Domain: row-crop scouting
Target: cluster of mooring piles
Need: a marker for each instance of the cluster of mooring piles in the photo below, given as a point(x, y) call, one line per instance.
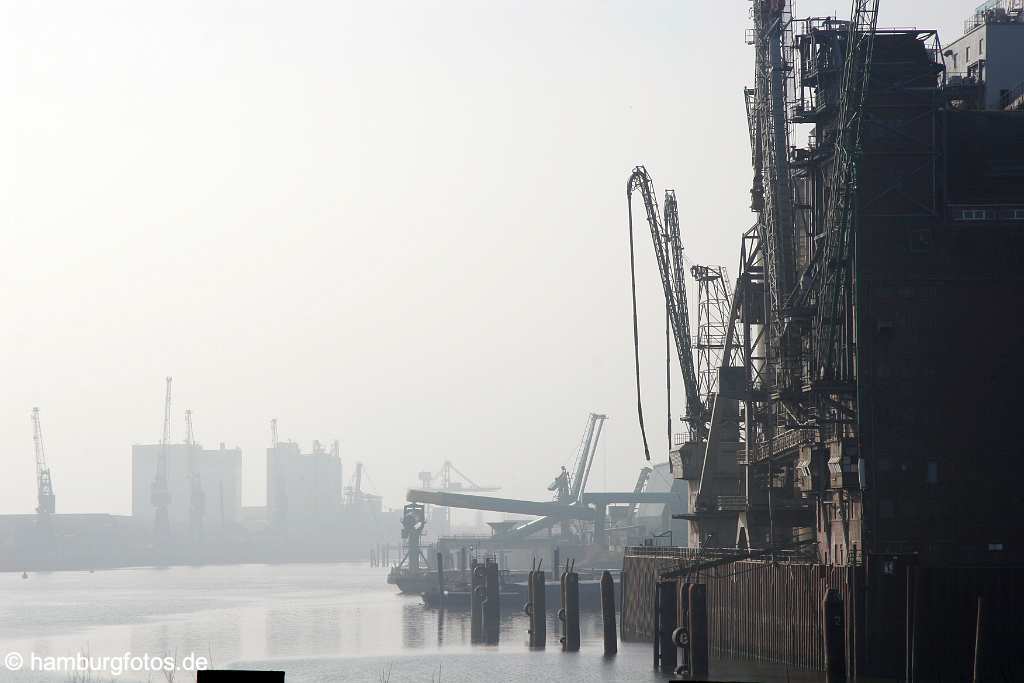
point(485, 606)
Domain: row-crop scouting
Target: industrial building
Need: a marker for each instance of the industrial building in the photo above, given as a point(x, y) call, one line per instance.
point(303, 489)
point(654, 519)
point(205, 486)
point(860, 443)
point(990, 54)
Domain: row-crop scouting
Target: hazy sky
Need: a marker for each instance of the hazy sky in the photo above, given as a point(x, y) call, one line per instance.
point(401, 225)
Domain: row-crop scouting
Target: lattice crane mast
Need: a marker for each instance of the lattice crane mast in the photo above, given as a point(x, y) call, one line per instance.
point(46, 500)
point(772, 193)
point(160, 494)
point(833, 265)
point(668, 250)
point(449, 483)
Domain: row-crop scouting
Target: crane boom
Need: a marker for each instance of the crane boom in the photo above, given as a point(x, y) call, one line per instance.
point(47, 501)
point(585, 459)
point(695, 409)
point(668, 251)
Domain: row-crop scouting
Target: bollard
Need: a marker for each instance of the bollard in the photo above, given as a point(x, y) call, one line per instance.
point(440, 580)
point(665, 626)
point(697, 630)
point(833, 633)
point(491, 606)
point(571, 613)
point(476, 601)
point(611, 644)
point(557, 560)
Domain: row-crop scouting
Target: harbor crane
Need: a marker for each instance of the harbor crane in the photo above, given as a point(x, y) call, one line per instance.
point(571, 503)
point(197, 497)
point(46, 500)
point(568, 487)
point(160, 494)
point(355, 496)
point(700, 376)
point(668, 250)
point(448, 482)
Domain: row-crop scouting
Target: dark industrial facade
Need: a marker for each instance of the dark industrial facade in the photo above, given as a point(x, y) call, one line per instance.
point(872, 369)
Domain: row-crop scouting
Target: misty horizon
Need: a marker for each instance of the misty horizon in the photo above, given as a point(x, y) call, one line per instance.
point(398, 225)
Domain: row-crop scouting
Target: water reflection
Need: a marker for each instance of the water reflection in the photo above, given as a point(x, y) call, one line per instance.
point(320, 622)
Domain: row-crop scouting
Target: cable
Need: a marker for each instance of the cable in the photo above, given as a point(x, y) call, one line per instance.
point(636, 326)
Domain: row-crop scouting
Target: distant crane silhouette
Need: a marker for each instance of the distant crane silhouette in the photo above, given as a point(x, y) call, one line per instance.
point(160, 494)
point(449, 484)
point(47, 501)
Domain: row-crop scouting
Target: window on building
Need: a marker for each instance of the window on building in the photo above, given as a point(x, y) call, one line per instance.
point(981, 47)
point(968, 55)
point(955, 60)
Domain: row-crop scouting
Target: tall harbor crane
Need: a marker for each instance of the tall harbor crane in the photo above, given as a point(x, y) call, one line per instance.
point(160, 494)
point(355, 496)
point(197, 497)
point(46, 500)
point(794, 296)
point(833, 342)
point(668, 251)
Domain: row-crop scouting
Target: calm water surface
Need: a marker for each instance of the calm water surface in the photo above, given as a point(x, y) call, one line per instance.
point(319, 623)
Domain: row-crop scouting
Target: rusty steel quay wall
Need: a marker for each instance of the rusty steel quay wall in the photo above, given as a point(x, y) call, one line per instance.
point(757, 609)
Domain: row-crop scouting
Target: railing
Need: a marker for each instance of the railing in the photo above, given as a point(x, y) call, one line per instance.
point(783, 442)
point(995, 11)
point(1013, 99)
point(732, 503)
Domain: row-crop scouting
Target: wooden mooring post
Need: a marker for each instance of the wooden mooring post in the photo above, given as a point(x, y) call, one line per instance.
point(476, 603)
point(665, 606)
point(834, 634)
point(440, 580)
point(569, 614)
point(697, 629)
point(492, 603)
point(611, 639)
point(536, 608)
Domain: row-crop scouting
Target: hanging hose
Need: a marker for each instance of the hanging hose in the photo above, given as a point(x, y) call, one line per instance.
point(636, 326)
point(668, 379)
